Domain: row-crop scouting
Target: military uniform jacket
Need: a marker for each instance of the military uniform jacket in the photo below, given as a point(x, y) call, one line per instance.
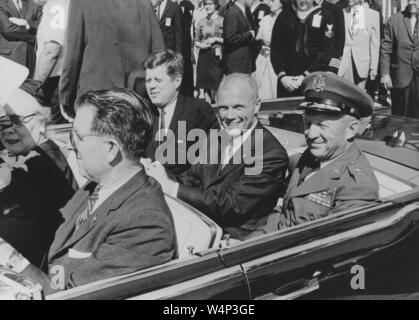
point(345, 183)
point(300, 47)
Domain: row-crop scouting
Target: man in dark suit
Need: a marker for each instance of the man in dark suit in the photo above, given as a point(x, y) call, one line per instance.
point(399, 61)
point(169, 15)
point(19, 20)
point(106, 40)
point(187, 86)
point(175, 115)
point(118, 222)
point(241, 180)
point(239, 38)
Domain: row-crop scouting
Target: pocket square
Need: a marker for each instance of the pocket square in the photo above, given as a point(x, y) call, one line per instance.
point(74, 254)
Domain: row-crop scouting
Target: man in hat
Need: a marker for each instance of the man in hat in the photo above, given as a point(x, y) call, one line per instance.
point(332, 174)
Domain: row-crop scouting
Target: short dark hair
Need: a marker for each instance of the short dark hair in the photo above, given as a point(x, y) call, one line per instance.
point(216, 3)
point(173, 61)
point(123, 115)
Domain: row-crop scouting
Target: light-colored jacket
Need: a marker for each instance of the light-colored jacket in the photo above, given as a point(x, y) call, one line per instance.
point(364, 45)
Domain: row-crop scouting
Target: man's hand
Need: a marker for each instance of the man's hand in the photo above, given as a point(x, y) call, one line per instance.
point(299, 81)
point(20, 22)
point(210, 41)
point(253, 33)
point(158, 172)
point(373, 75)
point(10, 258)
point(290, 83)
point(386, 81)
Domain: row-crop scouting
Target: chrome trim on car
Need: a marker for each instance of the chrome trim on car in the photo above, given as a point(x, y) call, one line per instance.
point(334, 239)
point(191, 285)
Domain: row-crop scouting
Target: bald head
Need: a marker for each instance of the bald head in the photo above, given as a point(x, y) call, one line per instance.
point(239, 84)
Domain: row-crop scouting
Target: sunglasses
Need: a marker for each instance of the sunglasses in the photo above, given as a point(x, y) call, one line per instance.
point(14, 120)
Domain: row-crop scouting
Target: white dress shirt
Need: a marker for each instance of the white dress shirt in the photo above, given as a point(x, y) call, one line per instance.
point(18, 5)
point(360, 15)
point(242, 8)
point(162, 7)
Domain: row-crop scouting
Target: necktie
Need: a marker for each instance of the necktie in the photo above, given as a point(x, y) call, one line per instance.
point(354, 21)
point(162, 125)
point(91, 201)
point(19, 5)
point(158, 11)
point(249, 17)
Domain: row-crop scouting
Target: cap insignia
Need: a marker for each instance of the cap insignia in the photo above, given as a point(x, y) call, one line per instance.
point(319, 83)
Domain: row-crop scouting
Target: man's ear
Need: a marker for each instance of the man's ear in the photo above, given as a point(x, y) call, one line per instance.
point(257, 106)
point(113, 152)
point(178, 80)
point(352, 129)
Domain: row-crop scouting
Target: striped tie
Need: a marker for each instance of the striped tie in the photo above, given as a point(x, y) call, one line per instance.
point(91, 201)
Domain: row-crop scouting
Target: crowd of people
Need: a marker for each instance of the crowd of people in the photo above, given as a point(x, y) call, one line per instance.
point(144, 83)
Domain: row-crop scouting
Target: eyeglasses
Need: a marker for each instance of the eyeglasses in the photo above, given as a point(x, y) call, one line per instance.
point(79, 137)
point(14, 120)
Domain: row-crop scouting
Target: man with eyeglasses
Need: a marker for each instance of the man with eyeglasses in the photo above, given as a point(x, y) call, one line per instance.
point(117, 223)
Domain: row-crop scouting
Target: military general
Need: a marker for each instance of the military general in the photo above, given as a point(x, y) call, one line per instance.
point(332, 174)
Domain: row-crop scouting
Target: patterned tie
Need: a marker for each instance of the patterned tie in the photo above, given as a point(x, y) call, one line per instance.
point(162, 125)
point(91, 201)
point(354, 20)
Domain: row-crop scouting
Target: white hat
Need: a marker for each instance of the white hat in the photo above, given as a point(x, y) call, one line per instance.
point(12, 75)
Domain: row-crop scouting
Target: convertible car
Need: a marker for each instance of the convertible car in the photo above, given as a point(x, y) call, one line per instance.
point(314, 260)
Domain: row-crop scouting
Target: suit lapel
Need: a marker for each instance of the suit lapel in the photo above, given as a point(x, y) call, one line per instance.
point(71, 213)
point(406, 21)
point(25, 6)
point(249, 27)
point(177, 114)
point(13, 8)
point(166, 8)
point(101, 213)
point(348, 21)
